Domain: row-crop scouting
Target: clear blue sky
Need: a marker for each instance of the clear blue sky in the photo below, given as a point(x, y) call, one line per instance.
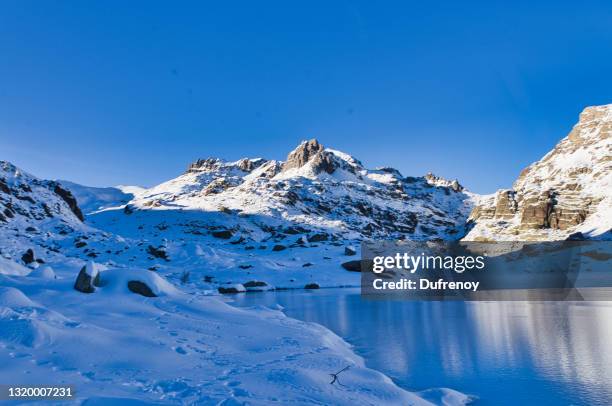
point(103, 93)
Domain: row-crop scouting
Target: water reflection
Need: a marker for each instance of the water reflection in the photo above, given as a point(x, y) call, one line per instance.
point(503, 352)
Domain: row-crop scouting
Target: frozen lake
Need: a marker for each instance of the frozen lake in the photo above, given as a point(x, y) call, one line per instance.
point(506, 353)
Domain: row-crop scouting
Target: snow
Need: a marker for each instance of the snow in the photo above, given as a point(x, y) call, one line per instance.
point(118, 347)
point(187, 344)
point(8, 267)
point(577, 172)
point(93, 199)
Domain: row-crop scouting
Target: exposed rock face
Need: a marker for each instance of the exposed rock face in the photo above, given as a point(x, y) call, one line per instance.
point(567, 191)
point(438, 181)
point(70, 200)
point(302, 154)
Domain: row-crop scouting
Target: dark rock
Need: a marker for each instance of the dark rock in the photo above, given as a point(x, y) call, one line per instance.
point(312, 286)
point(28, 257)
point(307, 264)
point(245, 267)
point(80, 244)
point(255, 284)
point(140, 288)
point(30, 229)
point(231, 289)
point(223, 234)
point(350, 251)
point(40, 260)
point(352, 266)
point(70, 200)
point(85, 282)
point(278, 247)
point(157, 252)
point(318, 237)
point(4, 187)
point(128, 209)
point(295, 230)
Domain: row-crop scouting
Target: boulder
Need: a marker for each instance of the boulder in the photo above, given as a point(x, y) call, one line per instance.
point(257, 286)
point(140, 288)
point(318, 237)
point(352, 266)
point(223, 234)
point(278, 247)
point(158, 252)
point(312, 286)
point(28, 257)
point(229, 289)
point(88, 278)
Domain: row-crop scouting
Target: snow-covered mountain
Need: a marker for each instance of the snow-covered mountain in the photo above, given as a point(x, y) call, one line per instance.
point(568, 191)
point(320, 189)
point(234, 219)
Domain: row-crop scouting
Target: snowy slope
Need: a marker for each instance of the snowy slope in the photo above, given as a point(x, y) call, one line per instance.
point(92, 199)
point(178, 348)
point(568, 191)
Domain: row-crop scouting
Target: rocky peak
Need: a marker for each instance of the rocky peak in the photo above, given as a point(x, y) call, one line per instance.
point(207, 164)
point(300, 156)
point(566, 191)
point(216, 164)
point(440, 181)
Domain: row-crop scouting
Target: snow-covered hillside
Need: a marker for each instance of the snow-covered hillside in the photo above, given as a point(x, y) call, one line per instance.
point(92, 199)
point(568, 191)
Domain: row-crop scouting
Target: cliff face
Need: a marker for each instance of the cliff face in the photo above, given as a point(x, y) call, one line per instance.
point(566, 192)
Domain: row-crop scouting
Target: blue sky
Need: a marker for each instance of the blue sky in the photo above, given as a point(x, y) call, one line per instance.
point(104, 93)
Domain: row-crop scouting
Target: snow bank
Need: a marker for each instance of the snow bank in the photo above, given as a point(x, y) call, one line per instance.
point(116, 280)
point(175, 349)
point(8, 267)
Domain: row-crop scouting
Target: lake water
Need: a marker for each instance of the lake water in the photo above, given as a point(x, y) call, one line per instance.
point(506, 353)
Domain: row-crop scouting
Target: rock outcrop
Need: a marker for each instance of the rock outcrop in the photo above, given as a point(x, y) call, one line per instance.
point(567, 191)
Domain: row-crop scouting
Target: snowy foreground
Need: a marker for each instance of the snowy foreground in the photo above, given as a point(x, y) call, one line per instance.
point(118, 347)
